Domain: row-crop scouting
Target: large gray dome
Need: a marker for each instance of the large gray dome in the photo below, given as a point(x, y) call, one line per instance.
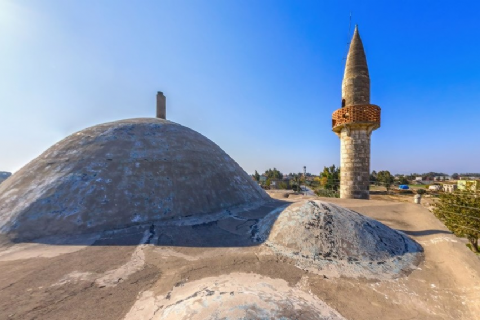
point(119, 174)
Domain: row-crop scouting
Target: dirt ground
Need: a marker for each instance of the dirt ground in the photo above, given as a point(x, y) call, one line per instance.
point(93, 279)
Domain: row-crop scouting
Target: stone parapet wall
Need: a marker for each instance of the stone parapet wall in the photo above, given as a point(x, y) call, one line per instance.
point(368, 113)
point(354, 163)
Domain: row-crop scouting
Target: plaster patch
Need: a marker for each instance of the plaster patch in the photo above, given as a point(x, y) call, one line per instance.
point(115, 276)
point(233, 296)
point(437, 240)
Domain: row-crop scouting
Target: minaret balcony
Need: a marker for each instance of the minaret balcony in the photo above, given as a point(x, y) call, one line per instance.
point(362, 115)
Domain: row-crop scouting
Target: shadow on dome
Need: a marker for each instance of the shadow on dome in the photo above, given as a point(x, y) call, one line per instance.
point(311, 234)
point(238, 227)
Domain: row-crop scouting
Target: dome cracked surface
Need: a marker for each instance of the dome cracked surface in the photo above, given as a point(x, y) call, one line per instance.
point(119, 174)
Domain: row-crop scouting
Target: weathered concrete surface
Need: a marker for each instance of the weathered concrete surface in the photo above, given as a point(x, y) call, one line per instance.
point(334, 241)
point(107, 281)
point(120, 174)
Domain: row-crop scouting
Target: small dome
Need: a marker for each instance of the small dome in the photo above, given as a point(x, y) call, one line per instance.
point(336, 241)
point(119, 174)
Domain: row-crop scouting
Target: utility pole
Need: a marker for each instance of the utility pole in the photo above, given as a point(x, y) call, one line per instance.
point(305, 178)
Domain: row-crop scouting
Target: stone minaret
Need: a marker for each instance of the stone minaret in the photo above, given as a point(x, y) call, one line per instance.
point(161, 106)
point(354, 123)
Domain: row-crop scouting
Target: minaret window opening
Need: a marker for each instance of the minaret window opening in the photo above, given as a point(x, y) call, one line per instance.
point(343, 103)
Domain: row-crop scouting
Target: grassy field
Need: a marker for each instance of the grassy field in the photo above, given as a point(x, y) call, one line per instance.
point(411, 186)
point(417, 186)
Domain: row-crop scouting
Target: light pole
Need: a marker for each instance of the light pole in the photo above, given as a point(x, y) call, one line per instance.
point(305, 178)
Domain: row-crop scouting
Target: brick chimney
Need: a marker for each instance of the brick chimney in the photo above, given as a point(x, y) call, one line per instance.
point(161, 106)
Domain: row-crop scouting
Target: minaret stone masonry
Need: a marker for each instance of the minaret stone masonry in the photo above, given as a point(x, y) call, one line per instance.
point(354, 123)
point(354, 163)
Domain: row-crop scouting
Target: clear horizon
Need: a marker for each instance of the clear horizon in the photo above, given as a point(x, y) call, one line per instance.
point(260, 79)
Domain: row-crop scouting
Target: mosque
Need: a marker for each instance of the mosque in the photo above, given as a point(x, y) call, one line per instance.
point(137, 171)
point(183, 205)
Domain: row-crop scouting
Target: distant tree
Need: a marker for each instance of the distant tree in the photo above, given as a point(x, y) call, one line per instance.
point(316, 182)
point(330, 178)
point(429, 176)
point(268, 182)
point(256, 176)
point(460, 212)
point(282, 185)
point(455, 176)
point(373, 176)
point(273, 174)
point(411, 177)
point(421, 191)
point(296, 181)
point(470, 174)
point(403, 180)
point(386, 179)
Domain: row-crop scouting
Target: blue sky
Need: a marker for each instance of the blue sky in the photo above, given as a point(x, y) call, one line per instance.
point(260, 78)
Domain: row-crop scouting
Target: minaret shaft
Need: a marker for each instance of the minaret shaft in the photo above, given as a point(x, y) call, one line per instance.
point(354, 163)
point(354, 123)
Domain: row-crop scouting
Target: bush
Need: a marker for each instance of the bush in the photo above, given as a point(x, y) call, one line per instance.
point(460, 212)
point(402, 191)
point(421, 191)
point(268, 182)
point(327, 193)
point(282, 185)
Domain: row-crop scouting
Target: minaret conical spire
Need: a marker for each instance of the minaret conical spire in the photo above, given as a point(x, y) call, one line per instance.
point(356, 81)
